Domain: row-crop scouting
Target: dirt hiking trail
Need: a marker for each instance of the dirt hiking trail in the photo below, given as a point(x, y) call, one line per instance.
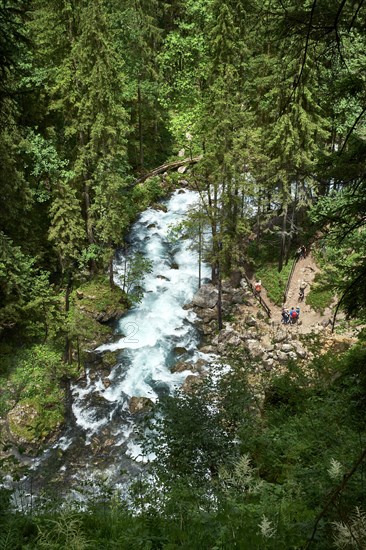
point(305, 270)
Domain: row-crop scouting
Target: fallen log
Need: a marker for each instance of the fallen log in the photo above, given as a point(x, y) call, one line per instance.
point(165, 167)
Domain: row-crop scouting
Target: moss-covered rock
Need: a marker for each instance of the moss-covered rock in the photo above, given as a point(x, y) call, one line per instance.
point(93, 307)
point(32, 396)
point(110, 359)
point(98, 300)
point(32, 422)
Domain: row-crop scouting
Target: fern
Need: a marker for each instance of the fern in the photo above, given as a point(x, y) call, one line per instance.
point(352, 534)
point(8, 538)
point(65, 532)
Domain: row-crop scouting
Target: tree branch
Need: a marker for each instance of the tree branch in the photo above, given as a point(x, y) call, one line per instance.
point(334, 494)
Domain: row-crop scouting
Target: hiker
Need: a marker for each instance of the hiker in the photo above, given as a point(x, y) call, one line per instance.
point(258, 287)
point(297, 309)
point(301, 252)
point(303, 285)
point(285, 316)
point(293, 316)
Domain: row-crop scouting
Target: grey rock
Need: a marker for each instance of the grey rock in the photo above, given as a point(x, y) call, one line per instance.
point(206, 296)
point(286, 348)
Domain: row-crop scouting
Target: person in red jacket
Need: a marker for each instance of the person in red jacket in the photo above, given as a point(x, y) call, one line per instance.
point(258, 287)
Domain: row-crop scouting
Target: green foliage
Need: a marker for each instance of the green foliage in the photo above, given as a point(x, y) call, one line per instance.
point(136, 266)
point(63, 532)
point(274, 281)
point(31, 380)
point(273, 95)
point(27, 301)
point(320, 296)
point(344, 246)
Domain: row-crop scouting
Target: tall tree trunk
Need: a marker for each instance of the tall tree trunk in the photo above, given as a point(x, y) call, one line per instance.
point(283, 240)
point(219, 286)
point(139, 111)
point(292, 226)
point(87, 203)
point(68, 343)
point(110, 269)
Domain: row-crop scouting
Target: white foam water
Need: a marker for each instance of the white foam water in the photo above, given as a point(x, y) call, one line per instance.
point(151, 330)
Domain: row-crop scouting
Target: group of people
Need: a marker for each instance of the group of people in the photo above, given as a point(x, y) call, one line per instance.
point(290, 316)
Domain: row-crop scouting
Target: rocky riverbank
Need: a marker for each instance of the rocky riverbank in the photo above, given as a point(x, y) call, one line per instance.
point(248, 333)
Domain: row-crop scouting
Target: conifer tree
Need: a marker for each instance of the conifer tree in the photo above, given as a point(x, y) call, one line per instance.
point(86, 88)
point(139, 39)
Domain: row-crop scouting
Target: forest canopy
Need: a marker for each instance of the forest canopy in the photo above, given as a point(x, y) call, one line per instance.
point(266, 103)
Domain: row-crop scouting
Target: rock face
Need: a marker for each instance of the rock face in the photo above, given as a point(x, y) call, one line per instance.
point(206, 297)
point(109, 316)
point(24, 426)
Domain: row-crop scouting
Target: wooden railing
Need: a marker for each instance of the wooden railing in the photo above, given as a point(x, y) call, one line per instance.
point(296, 259)
point(257, 295)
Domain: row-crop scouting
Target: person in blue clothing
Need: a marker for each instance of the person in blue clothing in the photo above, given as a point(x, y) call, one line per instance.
point(293, 315)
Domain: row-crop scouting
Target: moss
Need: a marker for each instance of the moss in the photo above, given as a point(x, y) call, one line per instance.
point(110, 359)
point(31, 389)
point(32, 420)
point(92, 306)
point(97, 296)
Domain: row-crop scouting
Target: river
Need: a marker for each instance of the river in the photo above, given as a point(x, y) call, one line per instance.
point(99, 442)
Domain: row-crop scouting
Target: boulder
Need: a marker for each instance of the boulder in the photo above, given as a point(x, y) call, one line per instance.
point(159, 206)
point(207, 315)
point(282, 357)
point(206, 296)
point(243, 284)
point(226, 287)
point(179, 350)
point(191, 383)
point(208, 349)
point(106, 382)
point(20, 418)
point(238, 296)
point(254, 349)
point(229, 337)
point(140, 404)
point(250, 321)
point(181, 366)
point(280, 336)
point(286, 348)
point(268, 364)
point(108, 316)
